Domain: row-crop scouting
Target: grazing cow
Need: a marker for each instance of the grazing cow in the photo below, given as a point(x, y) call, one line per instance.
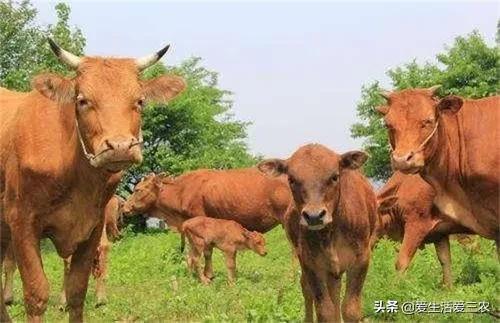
point(332, 226)
point(408, 214)
point(454, 144)
point(62, 149)
point(243, 195)
point(204, 233)
point(99, 268)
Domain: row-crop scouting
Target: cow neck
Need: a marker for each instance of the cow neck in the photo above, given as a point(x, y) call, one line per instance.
point(442, 165)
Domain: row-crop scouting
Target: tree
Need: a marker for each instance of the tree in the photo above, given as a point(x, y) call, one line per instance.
point(24, 51)
point(196, 130)
point(469, 68)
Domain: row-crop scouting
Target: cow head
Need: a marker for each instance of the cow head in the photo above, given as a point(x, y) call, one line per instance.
point(255, 241)
point(412, 118)
point(145, 194)
point(108, 98)
point(314, 173)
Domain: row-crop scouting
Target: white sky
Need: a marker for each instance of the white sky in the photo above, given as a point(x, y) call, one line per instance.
point(296, 68)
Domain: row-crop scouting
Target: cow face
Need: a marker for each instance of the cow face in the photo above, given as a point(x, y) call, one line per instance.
point(108, 98)
point(144, 196)
point(256, 242)
point(411, 118)
point(314, 173)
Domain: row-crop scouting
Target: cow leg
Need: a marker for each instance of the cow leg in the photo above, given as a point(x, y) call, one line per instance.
point(4, 245)
point(414, 236)
point(197, 246)
point(209, 271)
point(321, 299)
point(231, 266)
point(79, 272)
point(443, 253)
point(100, 270)
point(334, 285)
point(9, 268)
point(351, 307)
point(308, 299)
point(62, 298)
point(35, 284)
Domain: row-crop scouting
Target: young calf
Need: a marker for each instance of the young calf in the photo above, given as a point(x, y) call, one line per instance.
point(331, 227)
point(204, 233)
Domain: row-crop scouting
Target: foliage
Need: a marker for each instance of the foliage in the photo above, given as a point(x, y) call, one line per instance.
point(148, 281)
point(196, 130)
point(469, 68)
point(24, 50)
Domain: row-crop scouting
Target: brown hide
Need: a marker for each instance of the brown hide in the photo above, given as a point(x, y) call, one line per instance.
point(204, 234)
point(332, 227)
point(244, 195)
point(411, 218)
point(454, 144)
point(51, 187)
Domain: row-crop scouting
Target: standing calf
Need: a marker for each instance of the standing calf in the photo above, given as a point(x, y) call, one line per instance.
point(204, 233)
point(332, 227)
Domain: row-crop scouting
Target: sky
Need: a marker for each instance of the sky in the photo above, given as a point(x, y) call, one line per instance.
point(295, 68)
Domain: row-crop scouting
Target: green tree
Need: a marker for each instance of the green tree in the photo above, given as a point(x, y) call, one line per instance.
point(469, 68)
point(196, 130)
point(24, 51)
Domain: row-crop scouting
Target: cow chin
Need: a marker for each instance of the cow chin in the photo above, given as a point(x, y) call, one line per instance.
point(115, 161)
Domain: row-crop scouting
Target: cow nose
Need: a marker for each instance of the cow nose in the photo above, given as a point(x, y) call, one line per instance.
point(120, 144)
point(402, 161)
point(314, 217)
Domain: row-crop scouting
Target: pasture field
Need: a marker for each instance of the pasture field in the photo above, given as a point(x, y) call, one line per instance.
point(149, 281)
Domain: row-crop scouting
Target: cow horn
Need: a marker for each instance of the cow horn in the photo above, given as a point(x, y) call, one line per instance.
point(66, 57)
point(385, 94)
point(432, 90)
point(146, 61)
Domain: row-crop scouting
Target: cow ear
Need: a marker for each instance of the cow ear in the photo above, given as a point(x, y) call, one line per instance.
point(383, 109)
point(273, 167)
point(387, 204)
point(353, 159)
point(163, 88)
point(451, 103)
point(54, 87)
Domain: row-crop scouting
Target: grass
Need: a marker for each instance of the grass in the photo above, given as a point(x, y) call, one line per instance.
point(148, 281)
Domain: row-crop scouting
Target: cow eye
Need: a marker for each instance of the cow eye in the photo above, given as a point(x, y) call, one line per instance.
point(140, 104)
point(82, 102)
point(334, 178)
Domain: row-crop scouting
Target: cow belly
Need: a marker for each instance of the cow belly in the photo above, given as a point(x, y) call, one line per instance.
point(467, 216)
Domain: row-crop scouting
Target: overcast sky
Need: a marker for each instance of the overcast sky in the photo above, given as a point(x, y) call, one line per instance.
point(295, 68)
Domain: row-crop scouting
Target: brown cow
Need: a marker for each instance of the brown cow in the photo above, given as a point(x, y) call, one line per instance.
point(99, 268)
point(408, 214)
point(204, 233)
point(332, 226)
point(243, 195)
point(62, 148)
point(454, 144)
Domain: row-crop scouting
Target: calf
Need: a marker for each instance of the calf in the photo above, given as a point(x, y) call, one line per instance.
point(332, 226)
point(246, 196)
point(205, 233)
point(112, 215)
point(408, 214)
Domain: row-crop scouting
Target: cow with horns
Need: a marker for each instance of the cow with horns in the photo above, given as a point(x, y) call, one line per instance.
point(62, 149)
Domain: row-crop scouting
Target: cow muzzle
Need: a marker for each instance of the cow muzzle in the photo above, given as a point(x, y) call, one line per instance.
point(117, 153)
point(409, 163)
point(315, 219)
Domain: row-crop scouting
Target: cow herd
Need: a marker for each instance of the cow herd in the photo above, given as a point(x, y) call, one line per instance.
point(65, 145)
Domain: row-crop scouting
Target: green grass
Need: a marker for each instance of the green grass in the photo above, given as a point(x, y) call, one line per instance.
point(148, 281)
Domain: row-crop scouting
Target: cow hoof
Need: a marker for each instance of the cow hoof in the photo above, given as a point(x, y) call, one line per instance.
point(101, 303)
point(63, 307)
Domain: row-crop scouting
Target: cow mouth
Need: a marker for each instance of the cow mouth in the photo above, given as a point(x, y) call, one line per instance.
point(411, 170)
point(117, 166)
point(316, 227)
